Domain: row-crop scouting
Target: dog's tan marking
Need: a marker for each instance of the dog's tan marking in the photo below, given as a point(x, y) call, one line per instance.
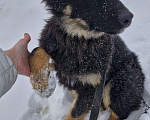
point(77, 26)
point(68, 10)
point(39, 68)
point(113, 116)
point(69, 116)
point(106, 96)
point(74, 94)
point(92, 79)
point(106, 101)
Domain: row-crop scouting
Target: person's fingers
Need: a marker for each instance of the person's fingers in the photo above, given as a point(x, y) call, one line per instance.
point(29, 53)
point(26, 35)
point(28, 74)
point(27, 38)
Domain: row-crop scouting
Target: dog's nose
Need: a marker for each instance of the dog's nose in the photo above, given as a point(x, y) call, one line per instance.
point(125, 19)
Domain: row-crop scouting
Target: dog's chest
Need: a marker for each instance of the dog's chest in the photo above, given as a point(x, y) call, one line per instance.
point(80, 56)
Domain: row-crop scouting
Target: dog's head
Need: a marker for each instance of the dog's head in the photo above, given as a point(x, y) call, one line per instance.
point(108, 16)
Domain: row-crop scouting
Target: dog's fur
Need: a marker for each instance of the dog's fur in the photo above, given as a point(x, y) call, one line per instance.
point(81, 37)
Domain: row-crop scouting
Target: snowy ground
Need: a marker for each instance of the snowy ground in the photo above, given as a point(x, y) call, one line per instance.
point(20, 16)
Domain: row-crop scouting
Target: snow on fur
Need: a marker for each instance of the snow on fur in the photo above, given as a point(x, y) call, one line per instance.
point(51, 82)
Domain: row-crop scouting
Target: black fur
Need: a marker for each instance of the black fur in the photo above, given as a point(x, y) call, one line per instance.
point(101, 15)
point(75, 56)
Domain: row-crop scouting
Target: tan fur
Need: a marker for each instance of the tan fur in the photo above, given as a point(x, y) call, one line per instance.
point(106, 96)
point(92, 79)
point(39, 67)
point(113, 116)
point(74, 94)
point(77, 26)
point(69, 116)
point(106, 101)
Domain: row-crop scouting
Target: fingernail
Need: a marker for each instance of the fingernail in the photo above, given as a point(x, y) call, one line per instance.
point(25, 34)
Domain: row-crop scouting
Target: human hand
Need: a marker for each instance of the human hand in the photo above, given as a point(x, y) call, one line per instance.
point(19, 55)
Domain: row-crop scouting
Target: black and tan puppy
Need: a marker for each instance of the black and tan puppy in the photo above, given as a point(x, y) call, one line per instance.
point(82, 39)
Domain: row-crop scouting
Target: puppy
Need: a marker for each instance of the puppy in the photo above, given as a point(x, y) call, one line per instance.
point(82, 39)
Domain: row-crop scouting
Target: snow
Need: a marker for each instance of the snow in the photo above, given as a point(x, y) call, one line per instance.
point(21, 102)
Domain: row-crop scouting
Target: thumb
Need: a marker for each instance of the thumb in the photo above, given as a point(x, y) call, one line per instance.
point(27, 38)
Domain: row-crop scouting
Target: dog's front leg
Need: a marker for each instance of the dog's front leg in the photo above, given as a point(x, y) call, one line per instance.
point(82, 104)
point(39, 67)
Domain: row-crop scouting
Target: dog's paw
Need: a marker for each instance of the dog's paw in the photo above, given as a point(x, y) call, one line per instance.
point(42, 77)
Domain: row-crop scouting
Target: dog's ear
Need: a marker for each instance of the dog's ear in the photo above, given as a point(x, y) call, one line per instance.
point(56, 6)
